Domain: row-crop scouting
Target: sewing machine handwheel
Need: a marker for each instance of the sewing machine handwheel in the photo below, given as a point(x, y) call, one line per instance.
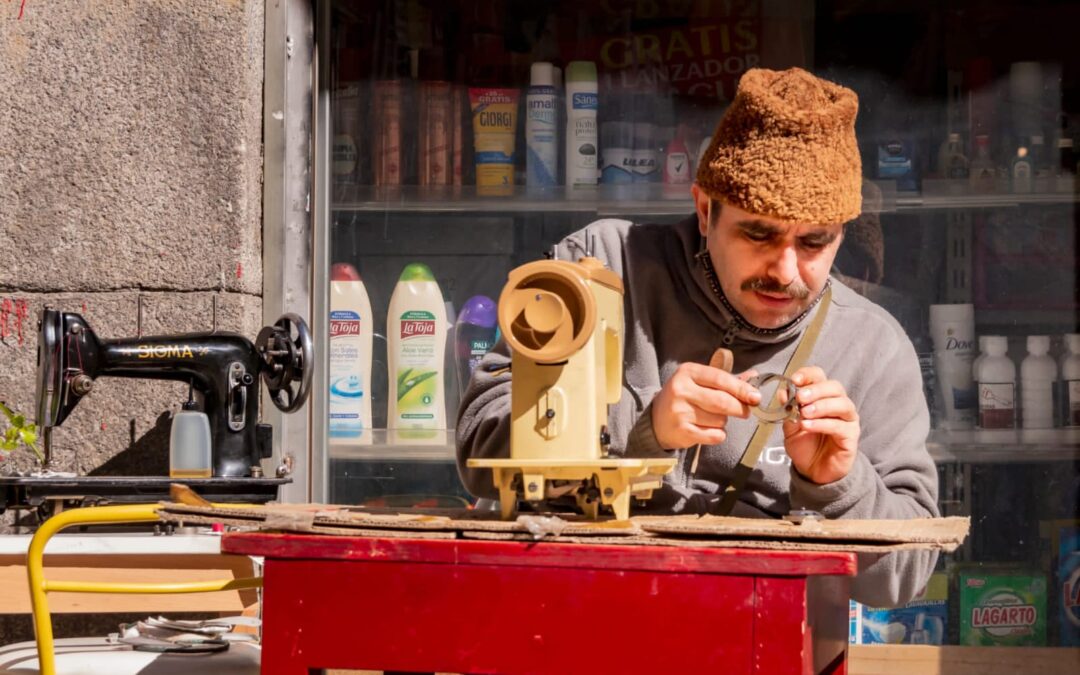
point(288, 359)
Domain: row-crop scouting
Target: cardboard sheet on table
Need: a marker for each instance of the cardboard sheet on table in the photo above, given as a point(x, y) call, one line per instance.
point(320, 517)
point(944, 533)
point(871, 536)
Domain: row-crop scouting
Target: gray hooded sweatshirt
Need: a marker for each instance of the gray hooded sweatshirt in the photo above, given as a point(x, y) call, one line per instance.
point(674, 314)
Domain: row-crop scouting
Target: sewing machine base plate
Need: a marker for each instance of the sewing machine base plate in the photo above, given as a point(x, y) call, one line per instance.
point(606, 482)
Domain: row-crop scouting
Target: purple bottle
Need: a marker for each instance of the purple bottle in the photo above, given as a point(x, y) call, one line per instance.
point(475, 334)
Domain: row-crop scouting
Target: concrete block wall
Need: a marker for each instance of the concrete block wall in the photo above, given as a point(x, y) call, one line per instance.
point(130, 165)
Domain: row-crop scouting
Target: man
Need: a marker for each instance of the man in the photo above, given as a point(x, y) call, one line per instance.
point(748, 272)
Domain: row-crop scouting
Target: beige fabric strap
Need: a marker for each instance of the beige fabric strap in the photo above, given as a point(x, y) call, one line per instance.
point(753, 450)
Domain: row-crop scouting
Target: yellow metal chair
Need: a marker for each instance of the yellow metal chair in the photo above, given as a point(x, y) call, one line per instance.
point(78, 652)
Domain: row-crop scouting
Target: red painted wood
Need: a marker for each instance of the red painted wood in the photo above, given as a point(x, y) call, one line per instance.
point(518, 607)
point(548, 554)
point(495, 619)
point(782, 643)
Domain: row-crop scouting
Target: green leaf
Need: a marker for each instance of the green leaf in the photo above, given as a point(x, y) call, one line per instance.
point(18, 421)
point(402, 376)
point(29, 436)
point(408, 385)
point(9, 445)
point(11, 435)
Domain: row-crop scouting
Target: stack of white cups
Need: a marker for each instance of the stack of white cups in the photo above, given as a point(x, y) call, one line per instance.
point(952, 328)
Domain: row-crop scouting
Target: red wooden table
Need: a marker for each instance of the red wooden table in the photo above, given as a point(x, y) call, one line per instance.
point(474, 606)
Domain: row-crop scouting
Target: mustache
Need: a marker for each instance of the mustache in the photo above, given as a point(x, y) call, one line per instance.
point(796, 289)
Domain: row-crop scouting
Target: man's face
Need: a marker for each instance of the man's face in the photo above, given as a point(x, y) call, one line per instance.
point(770, 270)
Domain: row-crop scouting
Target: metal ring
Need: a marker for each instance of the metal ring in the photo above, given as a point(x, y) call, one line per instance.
point(767, 413)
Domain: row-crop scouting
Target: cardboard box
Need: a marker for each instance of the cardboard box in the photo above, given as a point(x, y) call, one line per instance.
point(1002, 607)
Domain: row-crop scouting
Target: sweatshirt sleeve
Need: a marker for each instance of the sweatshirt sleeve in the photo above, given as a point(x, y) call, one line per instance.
point(893, 477)
point(483, 423)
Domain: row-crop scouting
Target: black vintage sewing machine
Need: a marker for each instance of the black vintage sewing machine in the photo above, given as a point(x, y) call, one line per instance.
point(224, 370)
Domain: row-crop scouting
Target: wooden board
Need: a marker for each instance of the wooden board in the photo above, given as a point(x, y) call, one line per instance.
point(159, 568)
point(926, 660)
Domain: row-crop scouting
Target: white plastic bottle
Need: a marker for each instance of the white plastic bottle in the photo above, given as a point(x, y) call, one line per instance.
point(582, 142)
point(995, 377)
point(980, 357)
point(1070, 381)
point(1037, 375)
point(416, 330)
point(541, 130)
point(952, 328)
point(190, 442)
point(351, 336)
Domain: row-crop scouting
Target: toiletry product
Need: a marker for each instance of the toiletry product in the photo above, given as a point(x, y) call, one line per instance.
point(980, 357)
point(1021, 171)
point(617, 141)
point(952, 329)
point(351, 338)
point(474, 336)
point(459, 106)
point(541, 132)
point(345, 165)
point(1038, 372)
point(677, 160)
point(952, 163)
point(982, 172)
point(895, 161)
point(646, 164)
point(386, 156)
point(189, 442)
point(560, 123)
point(1070, 381)
point(416, 340)
point(494, 114)
point(582, 141)
point(995, 377)
point(435, 135)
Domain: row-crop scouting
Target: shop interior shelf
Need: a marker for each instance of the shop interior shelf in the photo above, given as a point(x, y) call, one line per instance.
point(651, 199)
point(986, 446)
point(976, 446)
point(385, 444)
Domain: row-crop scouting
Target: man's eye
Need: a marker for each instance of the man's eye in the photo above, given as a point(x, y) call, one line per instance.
point(758, 236)
point(814, 245)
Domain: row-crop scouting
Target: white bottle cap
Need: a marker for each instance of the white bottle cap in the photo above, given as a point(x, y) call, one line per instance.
point(995, 345)
point(982, 342)
point(1038, 344)
point(542, 74)
point(1072, 342)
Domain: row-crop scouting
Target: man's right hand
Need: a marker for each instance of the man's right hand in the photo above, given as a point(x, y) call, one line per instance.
point(694, 405)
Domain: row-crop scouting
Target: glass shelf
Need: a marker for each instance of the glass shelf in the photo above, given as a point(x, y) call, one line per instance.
point(988, 446)
point(652, 199)
point(975, 446)
point(389, 444)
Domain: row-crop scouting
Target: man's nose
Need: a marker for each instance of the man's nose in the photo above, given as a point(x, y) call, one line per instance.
point(785, 266)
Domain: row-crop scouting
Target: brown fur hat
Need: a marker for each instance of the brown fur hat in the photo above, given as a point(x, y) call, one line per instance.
point(786, 149)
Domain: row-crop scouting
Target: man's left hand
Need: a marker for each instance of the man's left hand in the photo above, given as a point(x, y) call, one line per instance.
point(823, 442)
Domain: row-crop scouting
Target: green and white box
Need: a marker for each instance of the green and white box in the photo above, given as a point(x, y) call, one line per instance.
point(1002, 608)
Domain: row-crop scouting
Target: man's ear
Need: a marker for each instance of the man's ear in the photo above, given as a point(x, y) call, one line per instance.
point(701, 205)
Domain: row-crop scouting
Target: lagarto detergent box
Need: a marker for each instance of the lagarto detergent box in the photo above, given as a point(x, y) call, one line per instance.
point(1000, 607)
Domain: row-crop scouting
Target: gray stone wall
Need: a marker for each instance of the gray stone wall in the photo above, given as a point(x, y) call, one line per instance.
point(130, 165)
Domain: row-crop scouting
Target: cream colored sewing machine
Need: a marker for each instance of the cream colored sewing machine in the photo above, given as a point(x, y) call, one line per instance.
point(563, 322)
